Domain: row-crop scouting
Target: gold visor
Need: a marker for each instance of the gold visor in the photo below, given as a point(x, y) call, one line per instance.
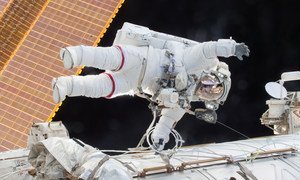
point(209, 88)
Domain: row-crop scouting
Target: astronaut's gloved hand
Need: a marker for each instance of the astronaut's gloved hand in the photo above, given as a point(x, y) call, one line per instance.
point(241, 49)
point(159, 146)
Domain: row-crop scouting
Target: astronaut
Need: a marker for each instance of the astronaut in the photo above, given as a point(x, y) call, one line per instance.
point(172, 76)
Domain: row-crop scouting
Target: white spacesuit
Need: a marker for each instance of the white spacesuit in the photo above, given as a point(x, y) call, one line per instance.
point(174, 76)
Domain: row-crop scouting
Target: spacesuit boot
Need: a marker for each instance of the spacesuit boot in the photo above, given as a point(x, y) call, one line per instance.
point(71, 56)
point(94, 86)
point(61, 87)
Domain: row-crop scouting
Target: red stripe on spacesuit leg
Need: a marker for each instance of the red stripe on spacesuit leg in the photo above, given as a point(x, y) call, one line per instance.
point(113, 85)
point(123, 58)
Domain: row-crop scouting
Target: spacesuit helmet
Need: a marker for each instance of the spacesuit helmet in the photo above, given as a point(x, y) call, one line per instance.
point(209, 87)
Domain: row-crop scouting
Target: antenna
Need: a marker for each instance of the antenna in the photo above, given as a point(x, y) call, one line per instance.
point(276, 90)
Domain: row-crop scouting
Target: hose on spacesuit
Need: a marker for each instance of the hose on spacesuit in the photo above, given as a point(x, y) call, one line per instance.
point(142, 140)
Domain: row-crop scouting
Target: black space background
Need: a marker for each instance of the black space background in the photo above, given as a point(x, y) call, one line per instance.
point(269, 28)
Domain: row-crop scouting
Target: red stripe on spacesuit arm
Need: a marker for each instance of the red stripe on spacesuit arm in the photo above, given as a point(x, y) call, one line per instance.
point(113, 85)
point(123, 58)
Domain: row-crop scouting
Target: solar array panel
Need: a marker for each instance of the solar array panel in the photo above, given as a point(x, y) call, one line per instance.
point(3, 4)
point(25, 83)
point(15, 23)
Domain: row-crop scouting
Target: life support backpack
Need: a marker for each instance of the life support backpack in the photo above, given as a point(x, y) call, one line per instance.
point(131, 34)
